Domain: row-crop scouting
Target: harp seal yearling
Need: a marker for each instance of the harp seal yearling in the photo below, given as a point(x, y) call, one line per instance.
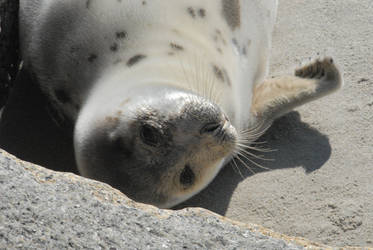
point(162, 93)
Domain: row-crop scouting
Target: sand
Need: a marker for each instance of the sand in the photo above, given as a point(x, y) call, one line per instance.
point(320, 184)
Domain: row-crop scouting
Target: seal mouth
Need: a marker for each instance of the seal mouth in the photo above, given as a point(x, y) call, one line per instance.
point(187, 176)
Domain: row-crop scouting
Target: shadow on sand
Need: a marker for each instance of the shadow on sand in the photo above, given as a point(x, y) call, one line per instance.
point(27, 131)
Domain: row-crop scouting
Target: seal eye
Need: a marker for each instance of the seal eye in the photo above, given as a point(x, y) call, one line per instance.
point(150, 135)
point(187, 176)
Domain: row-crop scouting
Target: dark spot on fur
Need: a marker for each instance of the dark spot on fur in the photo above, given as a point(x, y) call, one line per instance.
point(135, 59)
point(119, 1)
point(244, 51)
point(92, 58)
point(236, 44)
point(219, 50)
point(114, 47)
point(121, 34)
point(202, 13)
point(62, 96)
point(191, 12)
point(231, 13)
point(245, 48)
point(218, 73)
point(221, 74)
point(218, 37)
point(143, 2)
point(176, 46)
point(88, 4)
point(171, 53)
point(234, 41)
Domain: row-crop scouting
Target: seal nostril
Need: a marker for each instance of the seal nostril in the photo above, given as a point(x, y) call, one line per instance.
point(187, 176)
point(210, 128)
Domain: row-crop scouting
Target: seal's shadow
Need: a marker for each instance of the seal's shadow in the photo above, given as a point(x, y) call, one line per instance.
point(297, 145)
point(27, 131)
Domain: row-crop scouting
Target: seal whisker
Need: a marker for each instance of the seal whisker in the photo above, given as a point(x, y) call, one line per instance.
point(185, 75)
point(252, 161)
point(258, 129)
point(259, 142)
point(259, 149)
point(235, 167)
point(259, 157)
point(244, 164)
point(203, 81)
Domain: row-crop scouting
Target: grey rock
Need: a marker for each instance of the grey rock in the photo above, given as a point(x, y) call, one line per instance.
point(40, 208)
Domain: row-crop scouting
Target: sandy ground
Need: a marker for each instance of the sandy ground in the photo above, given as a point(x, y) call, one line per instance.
point(321, 183)
point(319, 186)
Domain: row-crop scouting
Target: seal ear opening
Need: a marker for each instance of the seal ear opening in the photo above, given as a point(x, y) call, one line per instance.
point(121, 146)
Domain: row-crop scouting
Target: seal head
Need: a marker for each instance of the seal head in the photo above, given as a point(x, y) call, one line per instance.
point(162, 146)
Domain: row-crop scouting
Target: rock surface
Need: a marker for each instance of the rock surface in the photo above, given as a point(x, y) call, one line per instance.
point(43, 209)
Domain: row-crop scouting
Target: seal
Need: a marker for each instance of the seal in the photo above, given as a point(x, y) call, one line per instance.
point(162, 93)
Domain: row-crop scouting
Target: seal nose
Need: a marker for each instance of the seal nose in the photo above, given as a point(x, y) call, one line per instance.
point(211, 128)
point(218, 130)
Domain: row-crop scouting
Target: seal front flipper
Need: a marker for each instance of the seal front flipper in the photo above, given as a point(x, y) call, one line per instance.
point(277, 96)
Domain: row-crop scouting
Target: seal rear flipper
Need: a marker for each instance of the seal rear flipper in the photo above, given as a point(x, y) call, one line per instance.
point(277, 96)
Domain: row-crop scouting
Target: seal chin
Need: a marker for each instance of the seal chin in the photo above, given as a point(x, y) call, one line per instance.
point(184, 195)
point(162, 147)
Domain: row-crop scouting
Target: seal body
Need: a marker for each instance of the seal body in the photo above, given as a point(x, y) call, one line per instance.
point(160, 91)
point(157, 89)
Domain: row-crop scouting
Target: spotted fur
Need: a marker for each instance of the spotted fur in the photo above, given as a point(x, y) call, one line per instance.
point(160, 92)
